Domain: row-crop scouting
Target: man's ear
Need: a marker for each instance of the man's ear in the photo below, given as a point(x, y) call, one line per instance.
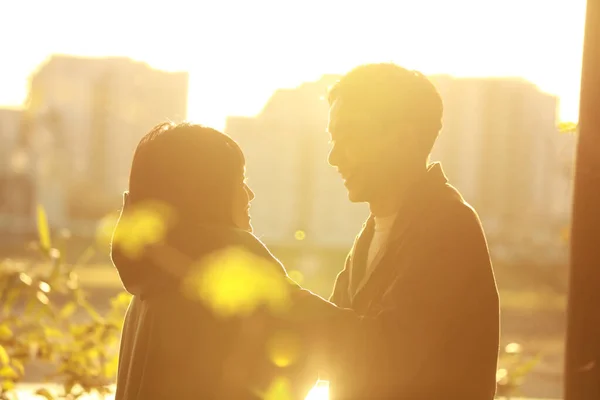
point(409, 139)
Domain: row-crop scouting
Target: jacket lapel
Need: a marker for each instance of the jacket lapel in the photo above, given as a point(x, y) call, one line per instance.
point(410, 212)
point(358, 257)
point(381, 264)
point(399, 228)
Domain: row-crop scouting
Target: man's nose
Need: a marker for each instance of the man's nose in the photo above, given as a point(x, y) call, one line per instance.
point(334, 156)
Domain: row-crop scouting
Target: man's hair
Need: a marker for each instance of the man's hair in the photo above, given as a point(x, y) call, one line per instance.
point(190, 167)
point(395, 96)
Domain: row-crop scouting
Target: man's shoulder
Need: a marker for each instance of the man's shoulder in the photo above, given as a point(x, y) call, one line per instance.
point(451, 238)
point(451, 221)
point(453, 210)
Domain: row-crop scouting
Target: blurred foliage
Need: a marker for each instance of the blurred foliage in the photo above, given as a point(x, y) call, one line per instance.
point(46, 317)
point(514, 368)
point(568, 127)
point(48, 320)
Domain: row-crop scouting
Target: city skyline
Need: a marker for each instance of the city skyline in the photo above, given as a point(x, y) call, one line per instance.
point(82, 82)
point(293, 121)
point(499, 146)
point(232, 74)
point(77, 134)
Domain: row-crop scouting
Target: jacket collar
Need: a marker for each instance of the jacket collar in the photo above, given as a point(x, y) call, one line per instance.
point(411, 208)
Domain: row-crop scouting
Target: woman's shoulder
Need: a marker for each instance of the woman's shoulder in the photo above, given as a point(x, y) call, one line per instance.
point(250, 242)
point(253, 245)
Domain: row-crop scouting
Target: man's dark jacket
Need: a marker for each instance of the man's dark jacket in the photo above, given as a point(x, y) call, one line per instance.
point(428, 325)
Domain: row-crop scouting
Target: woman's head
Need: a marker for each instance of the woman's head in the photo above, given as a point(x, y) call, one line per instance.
point(196, 170)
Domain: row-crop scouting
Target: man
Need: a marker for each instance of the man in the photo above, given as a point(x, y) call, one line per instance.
point(419, 274)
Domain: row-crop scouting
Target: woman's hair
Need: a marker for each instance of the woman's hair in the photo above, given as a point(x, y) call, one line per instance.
point(190, 168)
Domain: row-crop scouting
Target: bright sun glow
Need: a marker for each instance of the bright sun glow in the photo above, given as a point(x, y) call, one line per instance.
point(265, 44)
point(319, 392)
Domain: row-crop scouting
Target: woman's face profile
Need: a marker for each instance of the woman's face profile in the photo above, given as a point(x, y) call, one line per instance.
point(242, 196)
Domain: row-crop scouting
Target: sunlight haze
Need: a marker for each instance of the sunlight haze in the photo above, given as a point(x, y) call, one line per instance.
point(238, 53)
point(78, 170)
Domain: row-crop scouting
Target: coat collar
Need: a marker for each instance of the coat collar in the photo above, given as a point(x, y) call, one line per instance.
point(409, 211)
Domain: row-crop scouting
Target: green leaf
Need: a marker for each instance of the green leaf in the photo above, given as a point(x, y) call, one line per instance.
point(43, 230)
point(52, 332)
point(68, 386)
point(56, 271)
point(45, 393)
point(67, 310)
point(4, 358)
point(122, 300)
point(77, 330)
point(567, 127)
point(10, 299)
point(18, 365)
point(7, 385)
point(7, 372)
point(111, 367)
point(527, 366)
point(5, 332)
point(91, 311)
point(86, 256)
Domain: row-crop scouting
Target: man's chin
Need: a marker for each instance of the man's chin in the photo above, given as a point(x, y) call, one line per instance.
point(245, 226)
point(359, 189)
point(356, 197)
point(356, 190)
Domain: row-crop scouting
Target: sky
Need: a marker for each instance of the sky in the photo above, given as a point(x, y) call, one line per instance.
point(238, 52)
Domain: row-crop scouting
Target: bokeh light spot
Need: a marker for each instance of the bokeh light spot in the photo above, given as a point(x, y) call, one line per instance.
point(235, 282)
point(300, 235)
point(283, 348)
point(296, 276)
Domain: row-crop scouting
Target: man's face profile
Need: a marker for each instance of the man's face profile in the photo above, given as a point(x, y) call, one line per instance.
point(357, 151)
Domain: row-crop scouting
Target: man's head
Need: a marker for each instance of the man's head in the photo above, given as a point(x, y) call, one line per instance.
point(197, 171)
point(383, 122)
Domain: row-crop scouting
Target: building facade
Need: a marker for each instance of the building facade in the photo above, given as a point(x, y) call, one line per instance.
point(10, 126)
point(86, 116)
point(298, 195)
point(499, 145)
point(16, 189)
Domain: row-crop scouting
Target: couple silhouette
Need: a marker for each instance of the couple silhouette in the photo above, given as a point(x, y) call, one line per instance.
point(414, 312)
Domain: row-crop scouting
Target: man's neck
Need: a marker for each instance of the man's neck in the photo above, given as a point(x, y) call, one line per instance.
point(389, 203)
point(385, 207)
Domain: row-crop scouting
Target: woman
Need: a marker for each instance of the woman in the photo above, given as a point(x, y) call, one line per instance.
point(187, 181)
